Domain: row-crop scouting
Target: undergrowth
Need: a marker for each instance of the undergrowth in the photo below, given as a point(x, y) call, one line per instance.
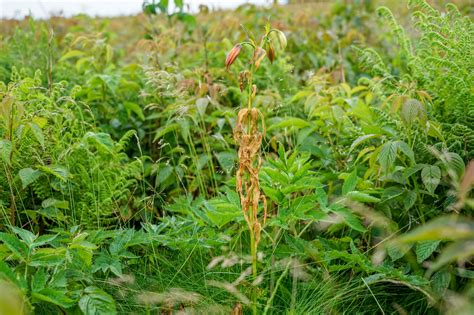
point(322, 168)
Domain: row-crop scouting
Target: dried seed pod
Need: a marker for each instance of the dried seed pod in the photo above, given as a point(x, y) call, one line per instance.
point(258, 56)
point(271, 52)
point(279, 38)
point(232, 55)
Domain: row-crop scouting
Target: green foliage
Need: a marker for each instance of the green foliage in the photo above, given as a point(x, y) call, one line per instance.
point(117, 190)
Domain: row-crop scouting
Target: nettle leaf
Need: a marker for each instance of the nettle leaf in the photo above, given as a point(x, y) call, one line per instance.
point(424, 250)
point(131, 107)
point(95, 301)
point(440, 281)
point(28, 176)
point(431, 176)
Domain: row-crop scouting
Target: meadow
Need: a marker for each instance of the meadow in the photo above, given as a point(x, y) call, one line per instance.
point(308, 158)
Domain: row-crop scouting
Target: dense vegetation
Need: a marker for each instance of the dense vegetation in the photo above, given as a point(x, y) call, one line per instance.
point(176, 163)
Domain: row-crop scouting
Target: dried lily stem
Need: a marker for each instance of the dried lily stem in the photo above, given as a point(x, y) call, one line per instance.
point(248, 133)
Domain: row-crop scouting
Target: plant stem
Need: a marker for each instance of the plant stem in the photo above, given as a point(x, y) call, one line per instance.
point(253, 249)
point(270, 300)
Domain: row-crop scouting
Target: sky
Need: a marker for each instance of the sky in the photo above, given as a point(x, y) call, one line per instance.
point(43, 8)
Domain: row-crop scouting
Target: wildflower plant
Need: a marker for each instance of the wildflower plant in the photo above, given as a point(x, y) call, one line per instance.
point(249, 131)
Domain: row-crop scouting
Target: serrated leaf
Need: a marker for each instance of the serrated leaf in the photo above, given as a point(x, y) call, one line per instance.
point(48, 257)
point(5, 150)
point(95, 301)
point(25, 235)
point(431, 176)
point(413, 110)
point(28, 176)
point(424, 250)
point(388, 155)
point(440, 281)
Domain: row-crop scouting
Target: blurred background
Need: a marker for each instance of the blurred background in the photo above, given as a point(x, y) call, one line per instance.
point(44, 8)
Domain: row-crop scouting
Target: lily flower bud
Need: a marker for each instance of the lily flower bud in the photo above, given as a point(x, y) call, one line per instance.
point(232, 55)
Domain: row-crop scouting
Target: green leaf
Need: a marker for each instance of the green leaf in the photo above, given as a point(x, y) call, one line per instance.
point(25, 235)
point(7, 273)
point(406, 150)
point(5, 150)
point(165, 130)
point(48, 257)
point(134, 108)
point(431, 176)
point(106, 262)
point(101, 140)
point(95, 301)
point(362, 139)
point(290, 122)
point(396, 252)
point(221, 211)
point(43, 239)
point(54, 297)
point(37, 132)
point(350, 182)
point(424, 250)
point(440, 281)
point(55, 170)
point(460, 250)
point(54, 203)
point(362, 197)
point(71, 54)
point(18, 248)
point(38, 280)
point(388, 155)
point(413, 110)
point(28, 176)
point(349, 218)
point(442, 228)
